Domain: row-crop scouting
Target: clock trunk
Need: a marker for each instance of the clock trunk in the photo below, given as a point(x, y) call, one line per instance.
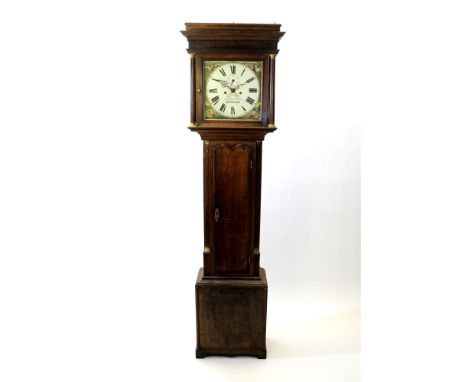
point(232, 217)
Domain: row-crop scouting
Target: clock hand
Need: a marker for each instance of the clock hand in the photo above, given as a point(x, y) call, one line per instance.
point(238, 86)
point(222, 82)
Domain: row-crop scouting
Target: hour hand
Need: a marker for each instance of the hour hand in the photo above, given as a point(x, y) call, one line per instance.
point(222, 82)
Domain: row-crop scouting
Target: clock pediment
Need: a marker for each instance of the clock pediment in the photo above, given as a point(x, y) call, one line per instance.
point(224, 37)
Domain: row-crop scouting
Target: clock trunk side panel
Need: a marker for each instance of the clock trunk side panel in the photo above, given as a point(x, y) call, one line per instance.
point(255, 260)
point(233, 213)
point(207, 209)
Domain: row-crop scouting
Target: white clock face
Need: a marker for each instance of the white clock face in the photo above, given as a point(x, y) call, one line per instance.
point(233, 90)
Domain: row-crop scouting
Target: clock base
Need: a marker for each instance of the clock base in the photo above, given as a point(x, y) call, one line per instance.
point(259, 353)
point(231, 316)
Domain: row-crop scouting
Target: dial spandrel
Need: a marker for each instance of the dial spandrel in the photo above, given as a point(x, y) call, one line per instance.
point(233, 90)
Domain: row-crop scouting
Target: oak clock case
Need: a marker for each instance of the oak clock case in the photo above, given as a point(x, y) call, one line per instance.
point(232, 108)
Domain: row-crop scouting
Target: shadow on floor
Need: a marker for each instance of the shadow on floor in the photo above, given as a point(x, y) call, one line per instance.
point(336, 334)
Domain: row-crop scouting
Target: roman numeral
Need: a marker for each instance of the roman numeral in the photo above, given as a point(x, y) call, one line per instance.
point(222, 108)
point(242, 72)
point(233, 69)
point(213, 90)
point(215, 100)
point(233, 111)
point(222, 72)
point(253, 90)
point(250, 100)
point(250, 79)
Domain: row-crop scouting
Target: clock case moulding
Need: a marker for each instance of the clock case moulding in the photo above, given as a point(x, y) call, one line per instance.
point(231, 288)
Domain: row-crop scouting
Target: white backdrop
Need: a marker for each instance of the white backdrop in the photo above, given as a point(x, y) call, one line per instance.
point(101, 193)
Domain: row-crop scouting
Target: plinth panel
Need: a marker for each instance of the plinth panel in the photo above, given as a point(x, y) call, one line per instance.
point(231, 316)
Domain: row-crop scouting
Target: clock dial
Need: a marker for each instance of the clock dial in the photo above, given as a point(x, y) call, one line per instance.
point(233, 90)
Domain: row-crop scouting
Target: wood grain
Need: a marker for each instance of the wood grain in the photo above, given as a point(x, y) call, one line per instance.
point(233, 169)
point(231, 316)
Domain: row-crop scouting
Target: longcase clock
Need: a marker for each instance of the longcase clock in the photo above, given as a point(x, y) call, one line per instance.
point(232, 108)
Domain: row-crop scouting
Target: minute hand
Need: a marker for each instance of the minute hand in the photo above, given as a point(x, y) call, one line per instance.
point(238, 86)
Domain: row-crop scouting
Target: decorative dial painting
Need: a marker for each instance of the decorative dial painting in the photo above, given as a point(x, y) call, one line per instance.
point(233, 90)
